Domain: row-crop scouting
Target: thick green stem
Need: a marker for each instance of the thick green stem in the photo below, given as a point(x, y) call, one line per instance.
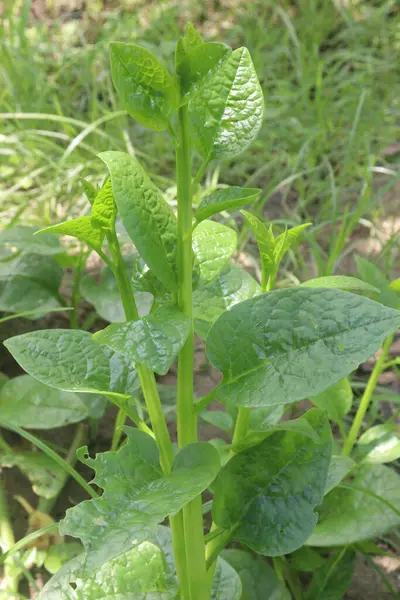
point(366, 397)
point(241, 426)
point(7, 541)
point(186, 415)
point(153, 404)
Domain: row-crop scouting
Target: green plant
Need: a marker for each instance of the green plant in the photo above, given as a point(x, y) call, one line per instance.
point(273, 348)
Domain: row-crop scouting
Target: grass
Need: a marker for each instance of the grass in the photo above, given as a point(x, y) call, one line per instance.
point(330, 78)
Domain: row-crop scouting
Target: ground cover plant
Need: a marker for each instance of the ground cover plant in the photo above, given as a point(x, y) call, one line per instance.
point(198, 520)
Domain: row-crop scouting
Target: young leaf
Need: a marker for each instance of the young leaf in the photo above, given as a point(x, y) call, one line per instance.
point(146, 89)
point(80, 228)
point(226, 583)
point(259, 581)
point(104, 210)
point(45, 475)
point(269, 505)
point(229, 198)
point(226, 115)
point(210, 300)
point(136, 495)
point(28, 403)
point(339, 467)
point(337, 400)
point(213, 245)
point(380, 444)
point(374, 276)
point(265, 242)
point(70, 360)
point(341, 282)
point(287, 239)
point(154, 341)
point(89, 189)
point(146, 215)
point(331, 581)
point(352, 515)
point(285, 345)
point(23, 237)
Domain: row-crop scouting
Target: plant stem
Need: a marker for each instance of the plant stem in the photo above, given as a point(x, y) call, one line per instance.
point(186, 415)
point(119, 423)
point(241, 425)
point(7, 541)
point(25, 541)
point(366, 397)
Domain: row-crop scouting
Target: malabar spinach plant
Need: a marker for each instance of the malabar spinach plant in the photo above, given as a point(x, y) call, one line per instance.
point(275, 488)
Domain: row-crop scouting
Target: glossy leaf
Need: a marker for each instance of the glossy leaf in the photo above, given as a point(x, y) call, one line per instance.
point(226, 583)
point(265, 242)
point(144, 280)
point(227, 114)
point(259, 581)
point(80, 228)
point(154, 341)
point(229, 198)
point(287, 344)
point(146, 89)
point(380, 444)
point(331, 581)
point(104, 210)
point(28, 403)
point(337, 400)
point(339, 468)
point(213, 245)
point(210, 300)
point(374, 276)
point(136, 495)
point(23, 238)
point(341, 282)
point(45, 475)
point(147, 217)
point(70, 360)
point(352, 515)
point(105, 297)
point(270, 504)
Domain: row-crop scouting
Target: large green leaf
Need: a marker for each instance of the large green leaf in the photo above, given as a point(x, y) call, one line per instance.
point(136, 495)
point(210, 300)
point(104, 210)
point(154, 341)
point(340, 282)
point(70, 360)
point(288, 344)
point(23, 238)
point(26, 402)
point(337, 400)
point(45, 475)
point(146, 89)
point(80, 228)
point(227, 114)
point(213, 245)
point(339, 467)
point(353, 515)
point(146, 215)
point(20, 294)
point(228, 198)
point(226, 583)
point(259, 581)
point(42, 270)
point(380, 444)
point(269, 504)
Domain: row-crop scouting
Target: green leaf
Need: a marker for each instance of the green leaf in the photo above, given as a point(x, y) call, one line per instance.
point(351, 515)
point(147, 217)
point(136, 495)
point(20, 294)
point(287, 239)
point(226, 583)
point(337, 400)
point(96, 404)
point(269, 505)
point(219, 418)
point(42, 270)
point(45, 475)
point(195, 66)
point(154, 341)
point(341, 282)
point(144, 86)
point(229, 198)
point(28, 403)
point(104, 210)
point(264, 417)
point(331, 581)
point(265, 242)
point(58, 554)
point(306, 560)
point(23, 237)
point(287, 344)
point(213, 245)
point(144, 280)
point(80, 228)
point(105, 297)
point(259, 581)
point(90, 190)
point(227, 114)
point(395, 285)
point(374, 276)
point(210, 300)
point(380, 444)
point(339, 467)
point(70, 360)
